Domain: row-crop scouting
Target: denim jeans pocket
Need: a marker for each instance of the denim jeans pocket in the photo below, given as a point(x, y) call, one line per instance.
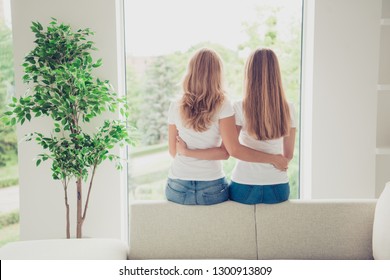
point(175, 193)
point(216, 194)
point(241, 193)
point(276, 194)
point(281, 192)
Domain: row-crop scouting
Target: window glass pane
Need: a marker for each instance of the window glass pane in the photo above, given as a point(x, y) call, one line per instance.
point(161, 36)
point(9, 190)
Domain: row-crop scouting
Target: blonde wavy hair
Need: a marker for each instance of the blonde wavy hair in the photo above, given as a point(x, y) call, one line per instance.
point(203, 92)
point(265, 107)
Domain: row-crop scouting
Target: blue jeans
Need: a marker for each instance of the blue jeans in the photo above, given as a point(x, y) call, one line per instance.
point(197, 192)
point(253, 194)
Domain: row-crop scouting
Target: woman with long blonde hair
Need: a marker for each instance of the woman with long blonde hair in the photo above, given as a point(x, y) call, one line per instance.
point(267, 123)
point(202, 118)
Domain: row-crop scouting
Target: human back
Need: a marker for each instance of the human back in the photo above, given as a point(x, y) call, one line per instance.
point(196, 116)
point(265, 108)
point(189, 168)
point(203, 92)
point(266, 121)
point(195, 119)
point(258, 173)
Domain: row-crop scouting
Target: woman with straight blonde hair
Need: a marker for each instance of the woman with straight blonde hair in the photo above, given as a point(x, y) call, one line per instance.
point(267, 123)
point(204, 117)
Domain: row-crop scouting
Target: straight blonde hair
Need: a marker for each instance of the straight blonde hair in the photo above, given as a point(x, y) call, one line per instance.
point(265, 107)
point(203, 90)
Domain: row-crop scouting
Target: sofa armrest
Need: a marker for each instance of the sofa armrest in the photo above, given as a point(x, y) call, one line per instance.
point(381, 231)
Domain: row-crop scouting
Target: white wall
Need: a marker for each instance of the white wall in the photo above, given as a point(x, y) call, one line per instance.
point(42, 210)
point(339, 81)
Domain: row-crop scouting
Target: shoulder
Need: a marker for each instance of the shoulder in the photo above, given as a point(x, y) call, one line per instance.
point(175, 101)
point(173, 112)
point(174, 104)
point(226, 105)
point(237, 105)
point(226, 108)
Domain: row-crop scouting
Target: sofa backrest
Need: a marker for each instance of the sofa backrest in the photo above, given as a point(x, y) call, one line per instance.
point(315, 229)
point(296, 229)
point(164, 230)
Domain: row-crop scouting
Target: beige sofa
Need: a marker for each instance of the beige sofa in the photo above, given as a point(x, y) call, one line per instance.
point(297, 229)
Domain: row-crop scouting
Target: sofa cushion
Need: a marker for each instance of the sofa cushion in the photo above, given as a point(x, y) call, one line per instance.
point(381, 229)
point(315, 229)
point(65, 249)
point(165, 230)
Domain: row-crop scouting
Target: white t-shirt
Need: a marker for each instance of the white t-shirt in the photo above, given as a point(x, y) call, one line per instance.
point(187, 168)
point(252, 173)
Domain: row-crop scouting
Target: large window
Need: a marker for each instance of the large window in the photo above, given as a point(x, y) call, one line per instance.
point(160, 37)
point(9, 190)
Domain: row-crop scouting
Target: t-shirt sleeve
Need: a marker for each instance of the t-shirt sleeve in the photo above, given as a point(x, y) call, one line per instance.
point(226, 110)
point(292, 115)
point(238, 112)
point(172, 113)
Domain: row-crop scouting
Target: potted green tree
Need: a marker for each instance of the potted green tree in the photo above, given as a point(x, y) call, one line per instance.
point(59, 71)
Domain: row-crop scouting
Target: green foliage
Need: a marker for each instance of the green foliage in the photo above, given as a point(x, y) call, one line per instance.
point(9, 173)
point(263, 33)
point(8, 182)
point(9, 227)
point(9, 234)
point(8, 143)
point(7, 219)
point(6, 64)
point(161, 86)
point(62, 86)
point(73, 156)
point(148, 150)
point(134, 94)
